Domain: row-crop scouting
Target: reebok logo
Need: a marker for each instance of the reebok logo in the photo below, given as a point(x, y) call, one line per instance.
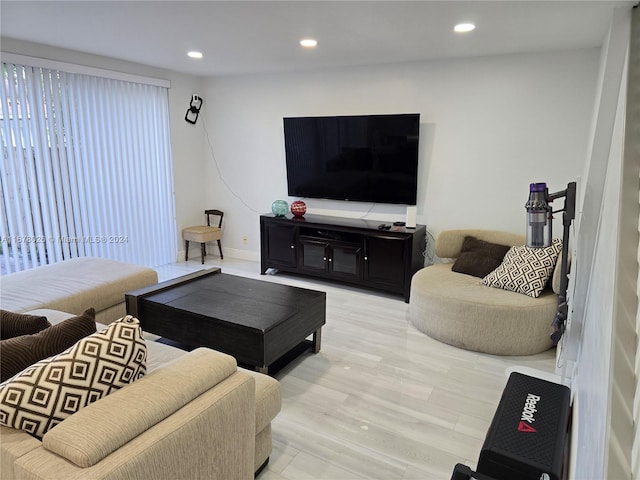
point(527, 417)
point(525, 427)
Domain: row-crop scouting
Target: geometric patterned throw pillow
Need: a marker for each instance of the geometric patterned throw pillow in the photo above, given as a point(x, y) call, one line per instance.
point(525, 270)
point(44, 394)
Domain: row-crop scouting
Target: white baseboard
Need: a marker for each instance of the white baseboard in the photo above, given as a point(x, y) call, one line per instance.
point(534, 372)
point(249, 255)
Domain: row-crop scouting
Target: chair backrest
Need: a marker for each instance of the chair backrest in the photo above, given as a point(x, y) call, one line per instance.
point(214, 212)
point(449, 242)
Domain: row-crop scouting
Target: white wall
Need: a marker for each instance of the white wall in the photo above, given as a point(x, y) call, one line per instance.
point(489, 127)
point(601, 441)
point(186, 140)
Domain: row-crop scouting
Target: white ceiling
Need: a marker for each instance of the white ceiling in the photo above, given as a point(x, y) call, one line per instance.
point(239, 37)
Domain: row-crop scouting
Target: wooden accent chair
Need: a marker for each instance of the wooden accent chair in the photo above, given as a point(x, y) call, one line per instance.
point(203, 234)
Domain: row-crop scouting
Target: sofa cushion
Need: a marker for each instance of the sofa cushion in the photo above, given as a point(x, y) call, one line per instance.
point(18, 353)
point(268, 398)
point(74, 285)
point(149, 402)
point(525, 270)
point(14, 324)
point(48, 392)
point(14, 445)
point(479, 258)
point(460, 311)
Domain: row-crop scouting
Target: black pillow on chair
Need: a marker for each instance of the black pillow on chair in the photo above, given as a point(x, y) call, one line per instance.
point(479, 258)
point(18, 353)
point(15, 324)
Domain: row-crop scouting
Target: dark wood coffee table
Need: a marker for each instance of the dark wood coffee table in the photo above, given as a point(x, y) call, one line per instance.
point(257, 322)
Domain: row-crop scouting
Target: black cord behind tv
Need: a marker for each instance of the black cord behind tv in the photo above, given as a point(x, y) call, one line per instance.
point(364, 158)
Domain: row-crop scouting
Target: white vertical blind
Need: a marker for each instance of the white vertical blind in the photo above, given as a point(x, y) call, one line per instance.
point(86, 169)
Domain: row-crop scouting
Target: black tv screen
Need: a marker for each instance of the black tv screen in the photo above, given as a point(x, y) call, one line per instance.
point(365, 158)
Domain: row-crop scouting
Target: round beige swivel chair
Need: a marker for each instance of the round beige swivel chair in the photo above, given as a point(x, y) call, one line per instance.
point(203, 234)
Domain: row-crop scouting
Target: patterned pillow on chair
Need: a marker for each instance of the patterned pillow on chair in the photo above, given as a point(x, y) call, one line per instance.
point(47, 392)
point(525, 270)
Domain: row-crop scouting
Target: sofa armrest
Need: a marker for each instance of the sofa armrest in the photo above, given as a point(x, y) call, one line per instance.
point(96, 431)
point(211, 437)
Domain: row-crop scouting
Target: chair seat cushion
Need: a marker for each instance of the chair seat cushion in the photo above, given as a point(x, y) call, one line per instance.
point(202, 234)
point(457, 309)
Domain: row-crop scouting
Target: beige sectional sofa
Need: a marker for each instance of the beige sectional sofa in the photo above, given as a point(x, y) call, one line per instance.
point(458, 309)
point(194, 415)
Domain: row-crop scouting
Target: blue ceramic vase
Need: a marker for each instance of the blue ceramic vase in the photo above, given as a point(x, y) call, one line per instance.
point(280, 208)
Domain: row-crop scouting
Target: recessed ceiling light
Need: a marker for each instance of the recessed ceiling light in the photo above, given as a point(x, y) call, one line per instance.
point(464, 27)
point(195, 54)
point(308, 42)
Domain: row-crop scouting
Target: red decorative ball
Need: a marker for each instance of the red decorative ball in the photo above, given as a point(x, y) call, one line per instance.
point(298, 208)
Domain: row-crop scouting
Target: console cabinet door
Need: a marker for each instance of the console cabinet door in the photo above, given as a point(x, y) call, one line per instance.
point(384, 261)
point(329, 258)
point(313, 255)
point(344, 261)
point(280, 245)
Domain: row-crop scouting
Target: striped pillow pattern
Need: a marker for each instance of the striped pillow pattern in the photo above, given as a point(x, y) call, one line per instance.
point(18, 353)
point(15, 324)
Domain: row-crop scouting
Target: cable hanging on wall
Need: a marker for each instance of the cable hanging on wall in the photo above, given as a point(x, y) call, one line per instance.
point(215, 162)
point(428, 253)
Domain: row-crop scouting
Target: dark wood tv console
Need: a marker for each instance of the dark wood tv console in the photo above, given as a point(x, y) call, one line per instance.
point(348, 250)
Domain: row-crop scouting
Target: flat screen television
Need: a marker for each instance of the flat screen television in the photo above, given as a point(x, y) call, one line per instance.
point(364, 158)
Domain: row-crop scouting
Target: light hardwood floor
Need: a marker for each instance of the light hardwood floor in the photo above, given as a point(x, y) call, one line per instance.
point(381, 400)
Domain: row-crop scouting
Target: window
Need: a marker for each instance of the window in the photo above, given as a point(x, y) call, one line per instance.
point(86, 169)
